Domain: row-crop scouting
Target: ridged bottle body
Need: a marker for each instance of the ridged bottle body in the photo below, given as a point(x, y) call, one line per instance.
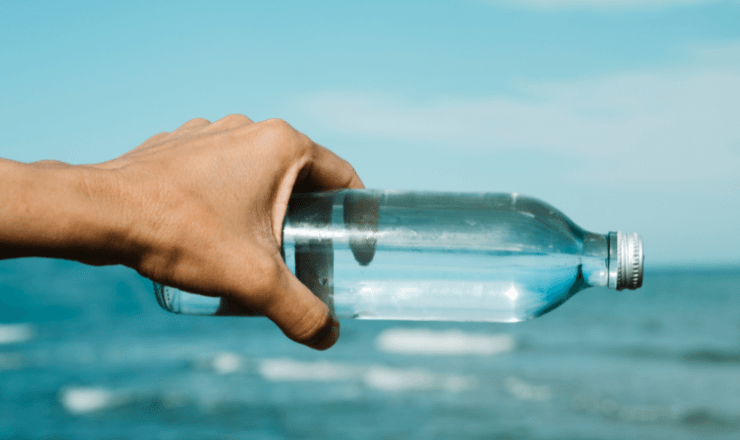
point(372, 254)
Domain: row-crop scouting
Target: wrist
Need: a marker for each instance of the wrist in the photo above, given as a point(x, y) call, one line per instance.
point(103, 224)
point(70, 212)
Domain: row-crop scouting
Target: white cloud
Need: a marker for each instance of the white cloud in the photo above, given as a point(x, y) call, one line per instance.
point(591, 4)
point(668, 125)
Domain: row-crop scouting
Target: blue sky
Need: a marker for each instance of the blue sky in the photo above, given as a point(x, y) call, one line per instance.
point(624, 114)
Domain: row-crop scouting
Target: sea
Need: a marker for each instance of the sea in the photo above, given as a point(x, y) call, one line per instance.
point(86, 353)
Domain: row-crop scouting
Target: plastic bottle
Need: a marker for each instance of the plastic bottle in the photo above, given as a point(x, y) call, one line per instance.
point(372, 254)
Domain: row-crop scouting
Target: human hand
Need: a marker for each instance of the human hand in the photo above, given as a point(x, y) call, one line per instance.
point(205, 207)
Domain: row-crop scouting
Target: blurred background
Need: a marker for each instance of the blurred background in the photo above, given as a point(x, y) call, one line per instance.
point(621, 113)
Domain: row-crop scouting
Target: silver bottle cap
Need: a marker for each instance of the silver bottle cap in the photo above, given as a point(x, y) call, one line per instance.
point(625, 260)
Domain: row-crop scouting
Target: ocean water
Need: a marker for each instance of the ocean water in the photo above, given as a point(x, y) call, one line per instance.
point(86, 353)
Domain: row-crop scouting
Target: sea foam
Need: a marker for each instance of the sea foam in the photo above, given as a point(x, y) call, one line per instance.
point(393, 379)
point(11, 333)
point(377, 377)
point(443, 343)
point(523, 390)
point(227, 363)
point(285, 369)
point(82, 400)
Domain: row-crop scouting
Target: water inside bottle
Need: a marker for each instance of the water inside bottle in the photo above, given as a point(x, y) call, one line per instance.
point(412, 285)
point(429, 256)
point(436, 285)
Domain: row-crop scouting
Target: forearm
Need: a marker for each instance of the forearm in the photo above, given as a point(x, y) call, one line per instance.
point(60, 212)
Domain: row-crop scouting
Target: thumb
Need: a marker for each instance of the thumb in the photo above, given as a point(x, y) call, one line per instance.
point(302, 316)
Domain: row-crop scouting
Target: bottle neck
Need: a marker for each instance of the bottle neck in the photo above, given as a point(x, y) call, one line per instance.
point(595, 261)
point(613, 260)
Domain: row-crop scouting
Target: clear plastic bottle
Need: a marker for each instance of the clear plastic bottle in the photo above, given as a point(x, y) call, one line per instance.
point(372, 254)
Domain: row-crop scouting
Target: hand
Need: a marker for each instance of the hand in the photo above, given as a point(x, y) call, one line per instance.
point(201, 209)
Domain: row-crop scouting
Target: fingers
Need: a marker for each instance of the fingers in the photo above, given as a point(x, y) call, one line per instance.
point(314, 259)
point(328, 171)
point(270, 289)
point(203, 125)
point(228, 123)
point(361, 216)
point(192, 124)
point(301, 315)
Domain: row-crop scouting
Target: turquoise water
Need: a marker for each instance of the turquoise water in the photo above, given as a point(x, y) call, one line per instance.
point(86, 353)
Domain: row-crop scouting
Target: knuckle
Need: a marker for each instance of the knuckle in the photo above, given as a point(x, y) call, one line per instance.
point(287, 137)
point(278, 126)
point(193, 123)
point(235, 119)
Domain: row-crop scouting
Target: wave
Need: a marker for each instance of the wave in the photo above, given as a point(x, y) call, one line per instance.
point(612, 409)
point(443, 343)
point(523, 390)
point(227, 363)
point(377, 377)
point(696, 418)
point(83, 400)
point(291, 370)
point(712, 357)
point(12, 361)
point(12, 333)
point(704, 418)
point(392, 379)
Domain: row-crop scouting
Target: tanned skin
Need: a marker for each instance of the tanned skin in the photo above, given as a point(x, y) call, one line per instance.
point(200, 209)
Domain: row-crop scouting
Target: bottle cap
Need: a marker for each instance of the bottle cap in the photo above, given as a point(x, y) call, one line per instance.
point(625, 260)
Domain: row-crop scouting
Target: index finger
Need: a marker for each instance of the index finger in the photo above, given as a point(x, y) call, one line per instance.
point(361, 211)
point(327, 171)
